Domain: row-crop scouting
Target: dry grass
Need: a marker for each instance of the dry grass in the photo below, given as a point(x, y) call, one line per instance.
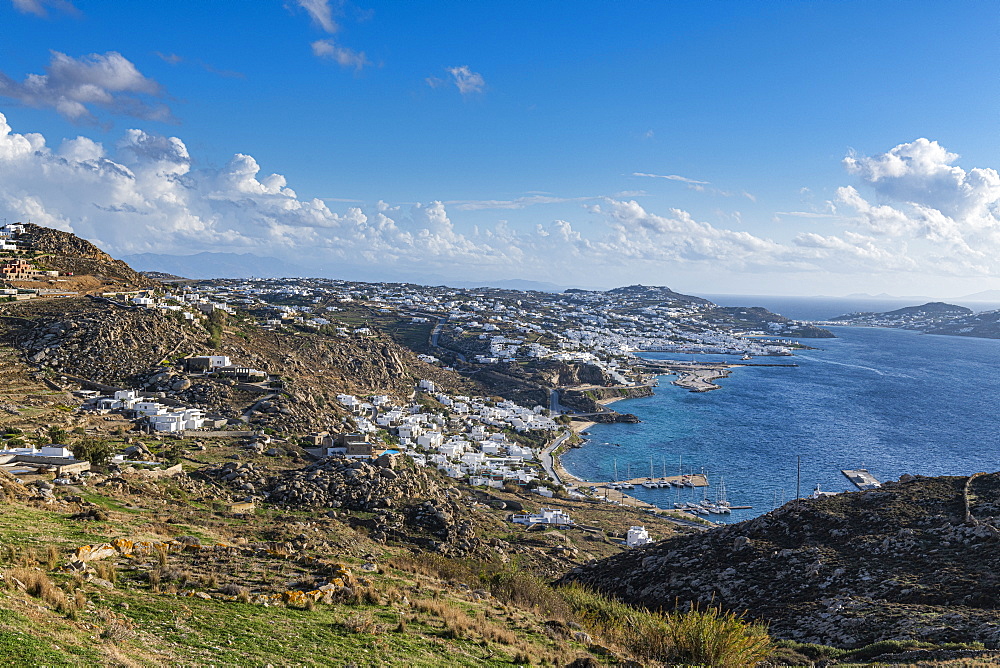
point(361, 622)
point(107, 570)
point(38, 584)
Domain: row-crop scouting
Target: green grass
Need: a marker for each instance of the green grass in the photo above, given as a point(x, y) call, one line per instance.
point(236, 634)
point(21, 644)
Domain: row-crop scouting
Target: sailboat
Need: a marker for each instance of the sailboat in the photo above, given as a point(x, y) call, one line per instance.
point(616, 484)
point(721, 499)
point(651, 484)
point(628, 485)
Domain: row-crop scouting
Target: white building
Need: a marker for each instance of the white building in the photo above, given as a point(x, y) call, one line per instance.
point(545, 516)
point(637, 536)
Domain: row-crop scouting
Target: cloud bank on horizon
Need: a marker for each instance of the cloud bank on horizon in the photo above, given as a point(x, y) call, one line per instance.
point(146, 194)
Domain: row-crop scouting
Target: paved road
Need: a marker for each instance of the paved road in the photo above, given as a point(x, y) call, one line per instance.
point(436, 335)
point(555, 408)
point(547, 460)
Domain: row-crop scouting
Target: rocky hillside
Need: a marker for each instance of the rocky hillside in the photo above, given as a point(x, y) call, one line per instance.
point(144, 348)
point(407, 504)
point(917, 560)
point(66, 252)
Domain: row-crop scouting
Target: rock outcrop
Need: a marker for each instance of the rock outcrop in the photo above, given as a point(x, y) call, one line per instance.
point(68, 253)
point(408, 504)
point(906, 561)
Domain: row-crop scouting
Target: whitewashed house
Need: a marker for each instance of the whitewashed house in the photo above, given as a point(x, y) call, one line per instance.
point(637, 536)
point(545, 516)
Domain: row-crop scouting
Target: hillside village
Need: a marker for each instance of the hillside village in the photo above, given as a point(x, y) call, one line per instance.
point(373, 463)
point(465, 331)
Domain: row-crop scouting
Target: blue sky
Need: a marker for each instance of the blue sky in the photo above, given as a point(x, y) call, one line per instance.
point(695, 144)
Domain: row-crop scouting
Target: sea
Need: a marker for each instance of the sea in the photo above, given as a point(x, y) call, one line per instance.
point(891, 401)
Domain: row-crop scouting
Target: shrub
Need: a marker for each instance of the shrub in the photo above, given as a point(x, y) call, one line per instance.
point(51, 557)
point(361, 622)
point(97, 451)
point(713, 637)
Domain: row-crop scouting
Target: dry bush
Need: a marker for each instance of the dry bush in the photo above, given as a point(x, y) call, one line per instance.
point(526, 591)
point(712, 637)
point(51, 557)
point(233, 589)
point(107, 570)
point(161, 556)
point(80, 599)
point(118, 630)
point(174, 574)
point(154, 579)
point(38, 584)
point(360, 622)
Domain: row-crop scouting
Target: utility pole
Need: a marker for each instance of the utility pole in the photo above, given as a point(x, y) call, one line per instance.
point(798, 477)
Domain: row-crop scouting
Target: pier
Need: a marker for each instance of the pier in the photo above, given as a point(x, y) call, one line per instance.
point(699, 376)
point(861, 478)
point(697, 480)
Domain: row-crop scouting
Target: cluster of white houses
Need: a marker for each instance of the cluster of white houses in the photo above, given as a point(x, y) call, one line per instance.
point(156, 415)
point(465, 440)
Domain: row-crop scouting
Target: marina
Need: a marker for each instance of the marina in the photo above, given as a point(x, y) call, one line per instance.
point(870, 395)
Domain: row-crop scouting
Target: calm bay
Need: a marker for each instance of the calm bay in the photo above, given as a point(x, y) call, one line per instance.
point(892, 401)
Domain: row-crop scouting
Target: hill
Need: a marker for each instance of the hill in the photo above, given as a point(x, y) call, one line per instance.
point(932, 309)
point(654, 292)
point(108, 344)
point(914, 560)
point(82, 266)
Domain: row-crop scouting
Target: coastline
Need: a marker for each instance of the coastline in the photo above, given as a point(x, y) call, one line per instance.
point(609, 494)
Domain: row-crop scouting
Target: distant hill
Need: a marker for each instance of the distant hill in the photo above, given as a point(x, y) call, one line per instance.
point(656, 292)
point(931, 308)
point(510, 284)
point(214, 265)
point(984, 296)
point(162, 276)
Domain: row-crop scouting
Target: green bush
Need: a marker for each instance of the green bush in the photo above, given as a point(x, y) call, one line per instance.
point(712, 637)
point(97, 451)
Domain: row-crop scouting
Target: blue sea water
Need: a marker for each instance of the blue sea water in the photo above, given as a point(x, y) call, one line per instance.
point(892, 401)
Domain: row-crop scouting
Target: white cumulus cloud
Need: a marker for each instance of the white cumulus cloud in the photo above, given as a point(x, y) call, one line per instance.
point(74, 87)
point(146, 193)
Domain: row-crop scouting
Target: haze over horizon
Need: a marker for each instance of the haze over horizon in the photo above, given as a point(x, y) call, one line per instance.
point(715, 148)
